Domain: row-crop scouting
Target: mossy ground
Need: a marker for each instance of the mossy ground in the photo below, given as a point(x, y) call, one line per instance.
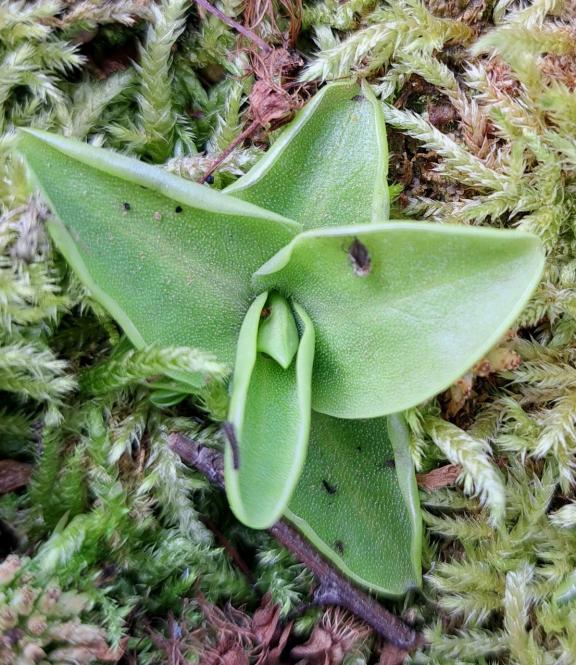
point(115, 552)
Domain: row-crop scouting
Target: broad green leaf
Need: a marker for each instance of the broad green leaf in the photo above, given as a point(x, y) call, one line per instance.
point(329, 166)
point(278, 334)
point(357, 501)
point(401, 310)
point(270, 414)
point(171, 260)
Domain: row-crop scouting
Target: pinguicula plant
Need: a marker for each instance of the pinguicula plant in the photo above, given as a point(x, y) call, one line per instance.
point(332, 318)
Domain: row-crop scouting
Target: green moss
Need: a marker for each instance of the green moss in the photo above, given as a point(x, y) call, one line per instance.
point(111, 517)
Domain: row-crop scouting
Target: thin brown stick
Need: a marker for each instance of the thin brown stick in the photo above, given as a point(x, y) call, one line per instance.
point(334, 588)
point(230, 433)
point(250, 34)
point(230, 550)
point(235, 143)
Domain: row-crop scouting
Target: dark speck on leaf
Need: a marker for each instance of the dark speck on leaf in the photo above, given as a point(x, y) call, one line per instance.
point(209, 179)
point(358, 98)
point(265, 313)
point(178, 209)
point(359, 449)
point(126, 206)
point(389, 464)
point(331, 489)
point(339, 547)
point(359, 258)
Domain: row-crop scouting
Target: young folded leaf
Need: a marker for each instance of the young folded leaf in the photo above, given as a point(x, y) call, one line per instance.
point(270, 417)
point(401, 310)
point(357, 501)
point(329, 166)
point(278, 334)
point(171, 260)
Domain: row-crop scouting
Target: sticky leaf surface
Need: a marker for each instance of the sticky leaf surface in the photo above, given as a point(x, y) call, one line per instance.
point(169, 259)
point(401, 310)
point(357, 501)
point(327, 167)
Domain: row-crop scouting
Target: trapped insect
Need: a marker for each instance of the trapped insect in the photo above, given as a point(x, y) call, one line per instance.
point(360, 258)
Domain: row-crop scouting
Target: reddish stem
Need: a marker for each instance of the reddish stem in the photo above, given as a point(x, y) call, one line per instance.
point(236, 142)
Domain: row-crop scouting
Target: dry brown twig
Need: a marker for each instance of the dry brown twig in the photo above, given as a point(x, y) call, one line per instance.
point(276, 94)
point(334, 588)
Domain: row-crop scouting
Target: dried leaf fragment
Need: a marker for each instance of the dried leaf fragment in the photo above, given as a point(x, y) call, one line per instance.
point(13, 475)
point(441, 477)
point(337, 633)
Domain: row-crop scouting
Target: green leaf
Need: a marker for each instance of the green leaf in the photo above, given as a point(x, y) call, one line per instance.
point(401, 310)
point(278, 335)
point(164, 399)
point(171, 260)
point(165, 393)
point(329, 166)
point(357, 501)
point(270, 414)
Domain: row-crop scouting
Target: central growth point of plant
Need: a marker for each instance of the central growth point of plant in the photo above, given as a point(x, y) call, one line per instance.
point(331, 317)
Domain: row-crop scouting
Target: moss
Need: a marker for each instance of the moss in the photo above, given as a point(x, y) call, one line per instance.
point(111, 518)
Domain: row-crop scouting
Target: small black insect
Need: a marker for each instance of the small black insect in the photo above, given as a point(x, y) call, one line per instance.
point(358, 98)
point(339, 547)
point(359, 449)
point(359, 258)
point(389, 464)
point(209, 179)
point(331, 489)
point(233, 441)
point(126, 206)
point(178, 209)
